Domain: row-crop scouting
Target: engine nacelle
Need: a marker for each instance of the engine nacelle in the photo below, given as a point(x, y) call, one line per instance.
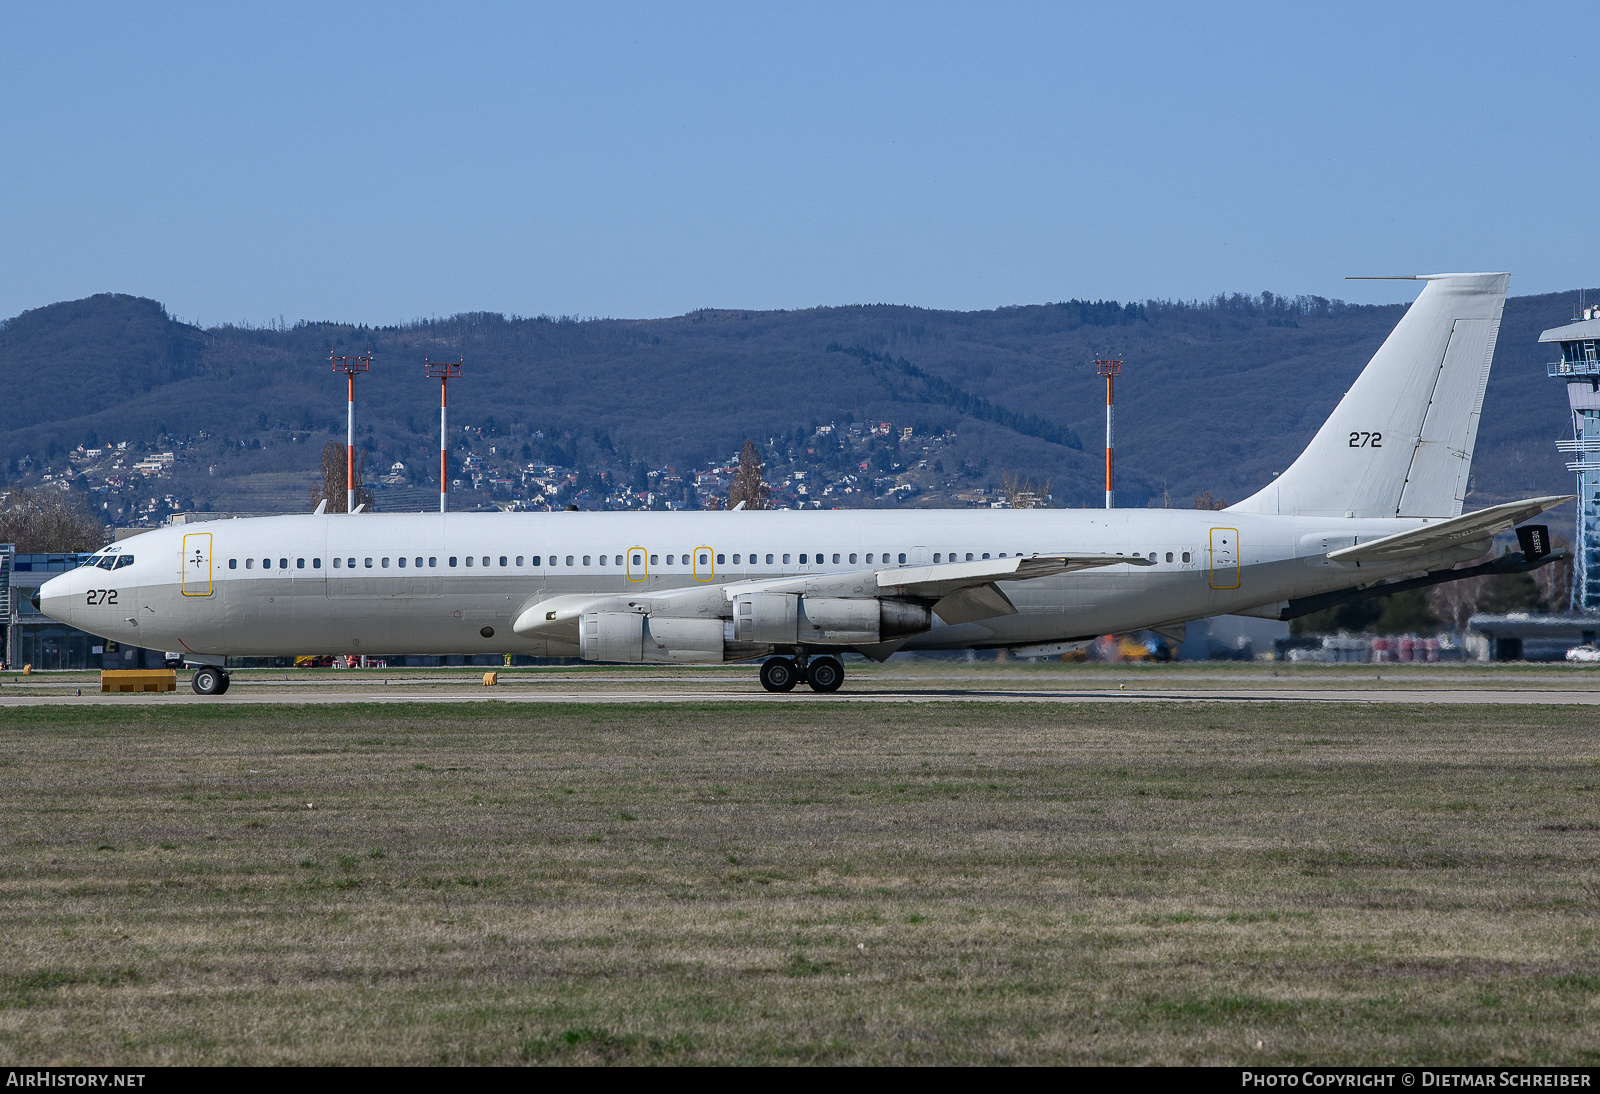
point(630, 636)
point(786, 619)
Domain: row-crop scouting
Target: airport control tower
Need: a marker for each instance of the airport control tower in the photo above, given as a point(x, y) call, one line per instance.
point(1580, 368)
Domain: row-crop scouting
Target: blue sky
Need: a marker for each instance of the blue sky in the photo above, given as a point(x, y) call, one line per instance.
point(375, 163)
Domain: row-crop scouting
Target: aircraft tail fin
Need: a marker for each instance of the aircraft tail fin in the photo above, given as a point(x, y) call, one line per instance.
point(1399, 444)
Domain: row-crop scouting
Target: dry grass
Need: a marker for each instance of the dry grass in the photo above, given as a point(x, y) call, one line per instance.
point(984, 883)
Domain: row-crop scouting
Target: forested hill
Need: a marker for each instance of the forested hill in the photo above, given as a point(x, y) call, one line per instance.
point(1214, 396)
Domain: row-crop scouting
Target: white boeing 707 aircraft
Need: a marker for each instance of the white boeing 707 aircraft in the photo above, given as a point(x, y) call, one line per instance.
point(1376, 495)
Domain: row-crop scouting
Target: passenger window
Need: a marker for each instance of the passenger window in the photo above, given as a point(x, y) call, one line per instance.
point(350, 563)
point(602, 560)
point(836, 557)
point(569, 560)
point(586, 560)
point(469, 560)
point(704, 559)
point(316, 564)
point(401, 562)
point(654, 559)
point(385, 563)
point(936, 556)
point(486, 560)
point(786, 560)
point(1002, 555)
point(638, 559)
point(233, 564)
point(869, 556)
point(283, 564)
point(902, 558)
point(735, 559)
point(502, 560)
point(1186, 556)
point(250, 563)
point(969, 556)
point(721, 559)
point(986, 554)
point(1169, 556)
point(1152, 556)
point(802, 559)
point(452, 560)
point(433, 561)
point(519, 560)
point(769, 560)
point(299, 564)
point(852, 558)
point(669, 560)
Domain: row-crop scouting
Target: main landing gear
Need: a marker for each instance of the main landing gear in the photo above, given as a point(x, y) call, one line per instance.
point(823, 674)
point(209, 680)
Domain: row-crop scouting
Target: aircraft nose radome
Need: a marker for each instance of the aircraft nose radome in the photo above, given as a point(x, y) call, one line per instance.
point(34, 600)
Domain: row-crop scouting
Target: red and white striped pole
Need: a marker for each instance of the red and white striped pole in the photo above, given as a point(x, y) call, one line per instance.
point(1110, 369)
point(445, 371)
point(350, 366)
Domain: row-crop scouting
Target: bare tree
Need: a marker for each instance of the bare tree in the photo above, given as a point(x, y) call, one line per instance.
point(333, 487)
point(1020, 493)
point(1555, 580)
point(1206, 501)
point(42, 520)
point(748, 485)
point(1455, 602)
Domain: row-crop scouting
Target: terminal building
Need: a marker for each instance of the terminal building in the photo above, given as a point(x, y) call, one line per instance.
point(1580, 368)
point(31, 638)
point(1519, 636)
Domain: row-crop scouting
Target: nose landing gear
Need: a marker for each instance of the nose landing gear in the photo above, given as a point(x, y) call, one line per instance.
point(209, 680)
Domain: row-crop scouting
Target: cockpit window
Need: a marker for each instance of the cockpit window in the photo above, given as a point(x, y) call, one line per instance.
point(124, 560)
point(105, 562)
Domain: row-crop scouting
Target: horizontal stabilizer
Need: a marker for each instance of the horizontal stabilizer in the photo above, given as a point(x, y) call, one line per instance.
point(1439, 535)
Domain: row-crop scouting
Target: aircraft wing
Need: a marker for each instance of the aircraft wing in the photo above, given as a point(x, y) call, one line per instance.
point(949, 577)
point(1437, 536)
point(962, 591)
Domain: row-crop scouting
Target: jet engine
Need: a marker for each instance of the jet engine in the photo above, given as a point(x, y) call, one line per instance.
point(632, 636)
point(787, 619)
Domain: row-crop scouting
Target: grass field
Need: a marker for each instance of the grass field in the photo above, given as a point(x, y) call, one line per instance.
point(731, 883)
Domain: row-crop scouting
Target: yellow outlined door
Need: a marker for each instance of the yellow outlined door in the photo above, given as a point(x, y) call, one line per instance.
point(638, 564)
point(705, 567)
point(1224, 558)
point(197, 564)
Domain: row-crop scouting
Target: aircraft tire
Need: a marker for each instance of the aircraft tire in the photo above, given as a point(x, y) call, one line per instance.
point(209, 681)
point(825, 674)
point(779, 674)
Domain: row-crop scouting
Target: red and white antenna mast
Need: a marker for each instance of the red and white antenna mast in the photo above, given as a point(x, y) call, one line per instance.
point(1110, 368)
point(350, 366)
point(444, 372)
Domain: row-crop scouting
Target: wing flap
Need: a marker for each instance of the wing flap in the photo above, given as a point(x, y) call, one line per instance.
point(973, 603)
point(1439, 535)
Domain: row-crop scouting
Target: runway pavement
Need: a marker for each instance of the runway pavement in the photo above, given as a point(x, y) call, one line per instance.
point(745, 693)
